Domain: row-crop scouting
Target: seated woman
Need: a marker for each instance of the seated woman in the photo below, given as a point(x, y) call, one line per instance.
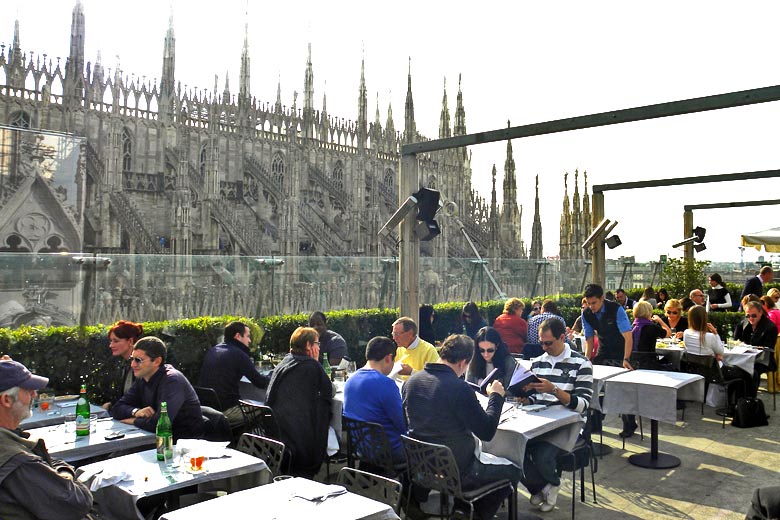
point(674, 318)
point(661, 297)
point(771, 310)
point(512, 328)
point(719, 298)
point(702, 339)
point(490, 352)
point(472, 320)
point(758, 330)
point(646, 329)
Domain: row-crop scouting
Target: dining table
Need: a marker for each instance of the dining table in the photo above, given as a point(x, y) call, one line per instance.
point(131, 477)
point(59, 408)
point(652, 394)
point(289, 499)
point(63, 443)
point(741, 355)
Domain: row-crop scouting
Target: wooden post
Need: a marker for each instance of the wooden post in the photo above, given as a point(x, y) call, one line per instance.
point(598, 268)
point(687, 233)
point(409, 248)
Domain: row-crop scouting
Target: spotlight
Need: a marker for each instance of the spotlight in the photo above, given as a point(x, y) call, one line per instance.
point(699, 233)
point(699, 247)
point(427, 203)
point(613, 241)
point(427, 230)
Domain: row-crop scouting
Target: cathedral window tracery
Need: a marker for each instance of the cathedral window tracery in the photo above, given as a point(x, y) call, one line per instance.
point(20, 119)
point(338, 175)
point(277, 170)
point(127, 150)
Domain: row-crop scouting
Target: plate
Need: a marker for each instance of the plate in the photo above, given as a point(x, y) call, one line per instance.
point(533, 407)
point(190, 469)
point(65, 397)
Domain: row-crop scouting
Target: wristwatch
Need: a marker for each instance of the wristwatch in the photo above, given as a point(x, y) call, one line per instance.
point(135, 411)
point(555, 391)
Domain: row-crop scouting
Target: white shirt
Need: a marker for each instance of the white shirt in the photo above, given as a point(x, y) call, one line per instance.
point(709, 347)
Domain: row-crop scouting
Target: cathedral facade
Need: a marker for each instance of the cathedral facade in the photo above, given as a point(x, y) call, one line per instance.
point(167, 170)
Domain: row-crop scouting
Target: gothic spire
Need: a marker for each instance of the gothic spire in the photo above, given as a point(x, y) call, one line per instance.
point(167, 80)
point(564, 243)
point(308, 98)
point(76, 56)
point(244, 91)
point(536, 229)
point(444, 119)
point(460, 113)
point(410, 129)
point(278, 105)
point(226, 92)
point(586, 220)
point(362, 121)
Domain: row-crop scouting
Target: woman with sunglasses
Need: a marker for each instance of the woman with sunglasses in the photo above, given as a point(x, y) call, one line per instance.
point(757, 330)
point(718, 296)
point(674, 318)
point(472, 320)
point(490, 353)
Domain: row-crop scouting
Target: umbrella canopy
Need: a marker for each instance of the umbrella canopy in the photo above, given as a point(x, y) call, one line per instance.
point(770, 239)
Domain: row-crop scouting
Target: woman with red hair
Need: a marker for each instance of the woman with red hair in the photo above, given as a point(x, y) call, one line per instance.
point(122, 337)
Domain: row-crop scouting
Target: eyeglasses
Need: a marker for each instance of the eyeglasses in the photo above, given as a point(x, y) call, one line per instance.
point(316, 343)
point(137, 360)
point(548, 343)
point(537, 308)
point(751, 315)
point(673, 313)
point(486, 350)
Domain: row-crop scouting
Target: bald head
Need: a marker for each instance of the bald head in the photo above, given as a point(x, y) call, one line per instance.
point(697, 296)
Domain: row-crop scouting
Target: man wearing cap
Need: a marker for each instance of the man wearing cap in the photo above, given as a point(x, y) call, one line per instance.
point(27, 472)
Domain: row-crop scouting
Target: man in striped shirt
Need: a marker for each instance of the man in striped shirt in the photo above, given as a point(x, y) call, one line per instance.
point(566, 378)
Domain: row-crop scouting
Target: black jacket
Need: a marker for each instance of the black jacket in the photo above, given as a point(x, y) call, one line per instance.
point(223, 367)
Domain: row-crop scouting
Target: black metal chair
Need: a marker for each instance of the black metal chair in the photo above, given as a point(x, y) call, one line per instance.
point(433, 466)
point(208, 397)
point(259, 419)
point(216, 426)
point(376, 487)
point(708, 367)
point(270, 450)
point(579, 458)
point(367, 443)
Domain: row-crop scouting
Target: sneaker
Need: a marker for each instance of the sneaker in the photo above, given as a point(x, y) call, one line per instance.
point(551, 497)
point(539, 497)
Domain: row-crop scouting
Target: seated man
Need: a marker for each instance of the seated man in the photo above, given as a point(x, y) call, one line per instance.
point(413, 353)
point(369, 395)
point(223, 367)
point(442, 408)
point(566, 378)
point(32, 484)
point(300, 395)
point(331, 343)
point(156, 382)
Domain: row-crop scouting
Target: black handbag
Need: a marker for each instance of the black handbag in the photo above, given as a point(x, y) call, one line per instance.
point(749, 413)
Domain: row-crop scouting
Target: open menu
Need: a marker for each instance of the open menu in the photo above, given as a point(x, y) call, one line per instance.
point(521, 377)
point(482, 387)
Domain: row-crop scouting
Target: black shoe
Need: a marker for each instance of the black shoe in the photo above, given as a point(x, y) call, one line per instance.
point(625, 434)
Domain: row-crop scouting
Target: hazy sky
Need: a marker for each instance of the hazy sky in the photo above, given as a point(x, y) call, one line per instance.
point(527, 62)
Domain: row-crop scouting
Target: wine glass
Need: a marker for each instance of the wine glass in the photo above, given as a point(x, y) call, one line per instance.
point(351, 368)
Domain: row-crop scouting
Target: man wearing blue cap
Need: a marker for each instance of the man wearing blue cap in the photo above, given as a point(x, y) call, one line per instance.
point(27, 472)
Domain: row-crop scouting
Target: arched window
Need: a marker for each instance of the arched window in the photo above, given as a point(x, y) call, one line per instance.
point(432, 182)
point(277, 170)
point(389, 178)
point(338, 175)
point(202, 162)
point(20, 119)
point(127, 150)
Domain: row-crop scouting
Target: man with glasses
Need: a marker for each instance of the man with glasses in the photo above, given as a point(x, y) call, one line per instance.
point(371, 396)
point(157, 382)
point(698, 298)
point(623, 299)
point(32, 484)
point(565, 378)
point(300, 394)
point(413, 352)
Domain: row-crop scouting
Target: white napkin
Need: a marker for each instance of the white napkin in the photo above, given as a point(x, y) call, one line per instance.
point(108, 477)
point(318, 492)
point(333, 442)
point(209, 449)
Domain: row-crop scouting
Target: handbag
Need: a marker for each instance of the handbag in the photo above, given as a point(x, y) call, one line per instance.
point(749, 413)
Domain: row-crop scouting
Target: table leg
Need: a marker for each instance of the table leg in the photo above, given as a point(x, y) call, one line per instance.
point(653, 459)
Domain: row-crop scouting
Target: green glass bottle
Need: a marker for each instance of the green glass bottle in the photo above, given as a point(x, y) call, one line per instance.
point(164, 435)
point(82, 413)
point(326, 366)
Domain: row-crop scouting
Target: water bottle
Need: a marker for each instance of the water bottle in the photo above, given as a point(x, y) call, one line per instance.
point(82, 413)
point(164, 433)
point(326, 366)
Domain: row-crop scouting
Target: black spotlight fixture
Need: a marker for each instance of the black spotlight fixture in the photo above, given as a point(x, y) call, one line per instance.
point(698, 233)
point(427, 206)
point(699, 247)
point(613, 241)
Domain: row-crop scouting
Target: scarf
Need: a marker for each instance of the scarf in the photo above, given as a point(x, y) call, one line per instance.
point(636, 330)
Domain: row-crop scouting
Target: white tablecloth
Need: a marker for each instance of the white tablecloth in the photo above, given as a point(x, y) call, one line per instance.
point(557, 425)
point(739, 356)
point(278, 501)
point(68, 447)
point(150, 477)
point(651, 393)
point(600, 374)
point(56, 414)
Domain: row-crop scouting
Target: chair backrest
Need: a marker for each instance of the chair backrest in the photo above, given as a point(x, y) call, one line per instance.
point(432, 466)
point(382, 489)
point(705, 366)
point(208, 397)
point(271, 451)
point(532, 350)
point(259, 419)
point(367, 442)
point(216, 426)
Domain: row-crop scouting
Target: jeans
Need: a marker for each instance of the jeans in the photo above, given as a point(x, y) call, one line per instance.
point(482, 474)
point(540, 466)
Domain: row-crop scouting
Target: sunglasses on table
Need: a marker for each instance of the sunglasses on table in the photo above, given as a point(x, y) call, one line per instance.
point(486, 350)
point(751, 315)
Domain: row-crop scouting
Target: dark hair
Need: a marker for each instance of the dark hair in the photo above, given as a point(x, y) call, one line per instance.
point(555, 327)
point(456, 347)
point(659, 293)
point(127, 330)
point(648, 292)
point(549, 306)
point(620, 290)
point(472, 311)
point(768, 302)
point(426, 327)
point(426, 312)
point(715, 277)
point(318, 314)
point(686, 303)
point(379, 347)
point(153, 346)
point(477, 363)
point(233, 328)
point(765, 270)
point(593, 290)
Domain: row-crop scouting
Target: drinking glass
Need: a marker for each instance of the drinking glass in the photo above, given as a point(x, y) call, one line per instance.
point(70, 423)
point(351, 368)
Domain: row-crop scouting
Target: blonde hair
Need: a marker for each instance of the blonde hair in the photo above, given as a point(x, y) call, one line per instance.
point(673, 304)
point(773, 291)
point(512, 304)
point(643, 309)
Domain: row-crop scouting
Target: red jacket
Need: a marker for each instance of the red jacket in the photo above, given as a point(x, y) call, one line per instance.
point(513, 331)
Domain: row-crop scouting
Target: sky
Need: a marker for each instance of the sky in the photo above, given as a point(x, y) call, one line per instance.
point(524, 62)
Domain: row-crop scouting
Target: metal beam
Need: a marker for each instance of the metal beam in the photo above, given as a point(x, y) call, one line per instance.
point(681, 181)
point(735, 204)
point(672, 108)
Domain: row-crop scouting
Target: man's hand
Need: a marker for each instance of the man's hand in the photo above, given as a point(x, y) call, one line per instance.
point(543, 386)
point(406, 370)
point(145, 412)
point(495, 386)
point(105, 406)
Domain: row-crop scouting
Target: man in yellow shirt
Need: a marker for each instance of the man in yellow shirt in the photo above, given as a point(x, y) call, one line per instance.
point(412, 351)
